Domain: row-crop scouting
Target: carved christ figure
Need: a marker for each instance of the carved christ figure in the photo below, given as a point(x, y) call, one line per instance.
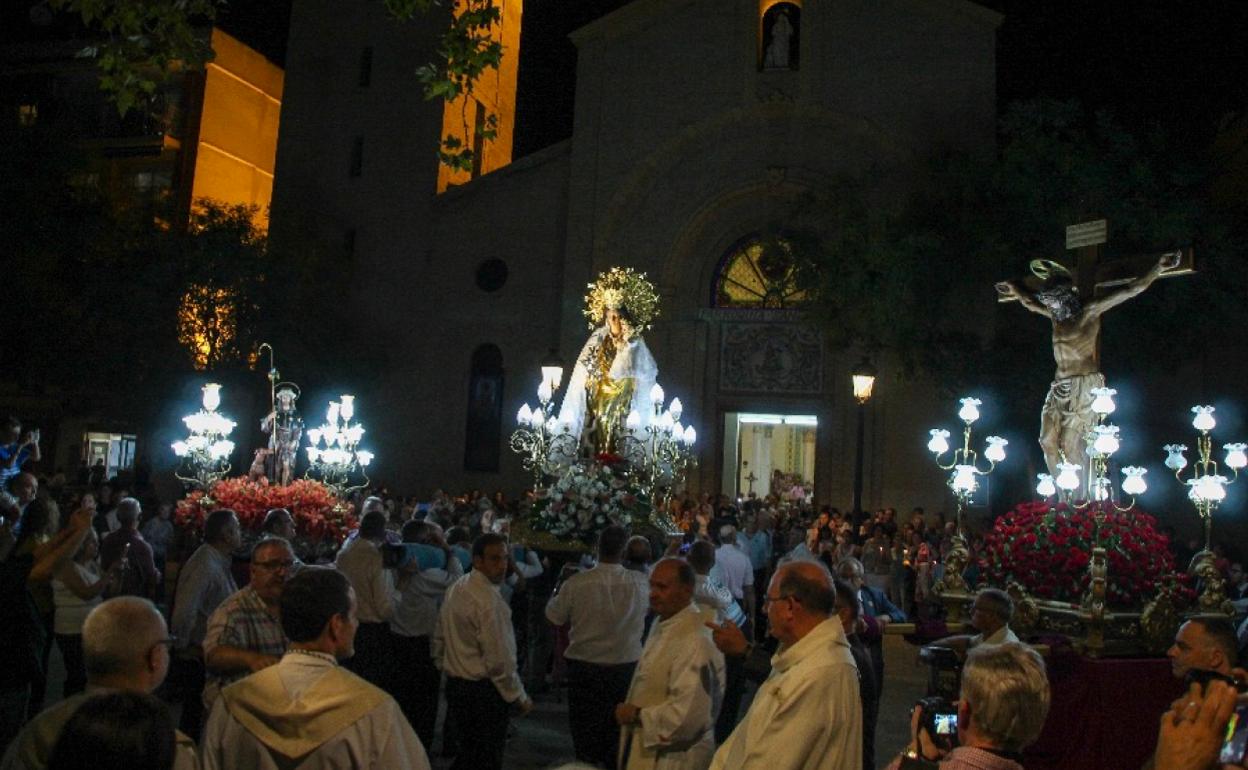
point(1067, 415)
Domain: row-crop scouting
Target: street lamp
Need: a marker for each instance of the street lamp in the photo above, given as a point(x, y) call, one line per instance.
point(863, 376)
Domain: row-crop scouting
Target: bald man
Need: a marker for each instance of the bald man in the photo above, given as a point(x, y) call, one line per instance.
point(808, 713)
point(125, 645)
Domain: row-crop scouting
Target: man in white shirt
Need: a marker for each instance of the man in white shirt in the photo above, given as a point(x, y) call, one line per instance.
point(605, 608)
point(668, 719)
point(375, 591)
point(991, 614)
point(734, 569)
point(203, 583)
point(415, 618)
point(807, 715)
point(476, 649)
point(307, 711)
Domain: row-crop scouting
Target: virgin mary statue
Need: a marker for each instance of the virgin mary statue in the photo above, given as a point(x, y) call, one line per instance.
point(614, 372)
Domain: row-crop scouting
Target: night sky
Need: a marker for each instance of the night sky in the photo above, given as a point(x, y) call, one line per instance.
point(1156, 64)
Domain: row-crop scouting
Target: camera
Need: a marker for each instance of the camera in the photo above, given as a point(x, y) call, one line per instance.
point(398, 555)
point(939, 718)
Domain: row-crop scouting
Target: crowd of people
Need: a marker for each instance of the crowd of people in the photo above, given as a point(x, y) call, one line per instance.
point(273, 662)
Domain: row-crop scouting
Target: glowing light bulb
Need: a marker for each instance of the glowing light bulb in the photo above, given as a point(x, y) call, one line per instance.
point(180, 448)
point(691, 435)
point(1106, 440)
point(331, 414)
point(1175, 460)
point(365, 457)
point(212, 396)
point(1235, 457)
point(996, 449)
point(1212, 488)
point(964, 479)
point(1067, 476)
point(1203, 421)
point(347, 407)
point(524, 415)
point(969, 412)
point(633, 421)
point(1103, 401)
point(676, 408)
point(656, 395)
point(544, 392)
point(1045, 487)
point(939, 442)
point(1134, 483)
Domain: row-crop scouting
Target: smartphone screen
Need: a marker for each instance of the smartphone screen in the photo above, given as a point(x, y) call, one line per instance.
point(1236, 738)
point(946, 724)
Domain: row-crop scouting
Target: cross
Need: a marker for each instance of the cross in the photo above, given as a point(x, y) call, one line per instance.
point(1093, 273)
point(751, 478)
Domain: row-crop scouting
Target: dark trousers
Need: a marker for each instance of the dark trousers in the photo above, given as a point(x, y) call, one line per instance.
point(417, 684)
point(39, 685)
point(482, 712)
point(186, 675)
point(593, 693)
point(734, 689)
point(13, 703)
point(70, 646)
point(374, 655)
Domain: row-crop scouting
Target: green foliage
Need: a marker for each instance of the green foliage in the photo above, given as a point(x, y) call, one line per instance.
point(143, 40)
point(917, 277)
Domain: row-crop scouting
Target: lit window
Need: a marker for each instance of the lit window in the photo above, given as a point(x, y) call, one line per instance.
point(206, 324)
point(759, 273)
point(27, 114)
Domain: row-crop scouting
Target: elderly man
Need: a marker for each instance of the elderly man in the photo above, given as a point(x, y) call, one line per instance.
point(605, 608)
point(307, 711)
point(204, 582)
point(280, 524)
point(847, 609)
point(1003, 705)
point(245, 632)
point(375, 590)
point(476, 646)
point(126, 647)
point(669, 716)
point(807, 714)
point(990, 616)
point(877, 610)
point(139, 577)
point(1207, 644)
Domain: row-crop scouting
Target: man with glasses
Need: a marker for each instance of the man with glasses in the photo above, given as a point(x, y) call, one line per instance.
point(807, 714)
point(125, 647)
point(245, 632)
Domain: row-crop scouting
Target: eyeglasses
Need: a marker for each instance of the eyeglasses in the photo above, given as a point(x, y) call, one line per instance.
point(773, 599)
point(274, 565)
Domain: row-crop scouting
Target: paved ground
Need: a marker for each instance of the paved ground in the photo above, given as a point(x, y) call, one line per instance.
point(541, 739)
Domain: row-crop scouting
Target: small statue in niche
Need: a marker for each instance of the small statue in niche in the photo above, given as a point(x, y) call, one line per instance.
point(781, 50)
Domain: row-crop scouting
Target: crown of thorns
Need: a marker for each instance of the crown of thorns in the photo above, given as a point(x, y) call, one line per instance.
point(622, 288)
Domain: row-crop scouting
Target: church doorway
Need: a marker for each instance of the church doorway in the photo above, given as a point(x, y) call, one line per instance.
point(767, 453)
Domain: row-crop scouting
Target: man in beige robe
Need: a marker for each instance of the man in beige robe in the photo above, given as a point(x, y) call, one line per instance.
point(668, 721)
point(307, 712)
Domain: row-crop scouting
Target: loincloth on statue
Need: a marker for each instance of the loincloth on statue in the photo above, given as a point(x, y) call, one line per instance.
point(1071, 397)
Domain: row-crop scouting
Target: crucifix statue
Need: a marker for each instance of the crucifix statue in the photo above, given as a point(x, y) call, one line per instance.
point(751, 478)
point(1075, 304)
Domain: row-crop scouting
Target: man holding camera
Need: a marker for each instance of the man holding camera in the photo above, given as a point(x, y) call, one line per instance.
point(1003, 705)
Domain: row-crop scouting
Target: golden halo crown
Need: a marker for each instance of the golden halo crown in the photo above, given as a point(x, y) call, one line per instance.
point(626, 289)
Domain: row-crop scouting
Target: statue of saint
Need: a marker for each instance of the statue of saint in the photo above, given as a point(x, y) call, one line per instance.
point(285, 429)
point(779, 52)
point(1067, 416)
point(615, 371)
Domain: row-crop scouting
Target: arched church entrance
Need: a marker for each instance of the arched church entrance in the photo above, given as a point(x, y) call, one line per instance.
point(770, 373)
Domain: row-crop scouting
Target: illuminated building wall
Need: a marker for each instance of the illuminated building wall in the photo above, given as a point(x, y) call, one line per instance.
point(237, 133)
point(496, 92)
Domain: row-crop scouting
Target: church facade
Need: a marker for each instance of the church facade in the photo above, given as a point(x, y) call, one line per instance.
point(697, 124)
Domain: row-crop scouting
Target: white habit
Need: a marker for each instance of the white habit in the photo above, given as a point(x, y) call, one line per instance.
point(678, 684)
point(307, 713)
point(807, 715)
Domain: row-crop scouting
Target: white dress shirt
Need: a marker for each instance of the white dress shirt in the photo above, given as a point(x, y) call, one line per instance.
point(606, 607)
point(375, 594)
point(204, 582)
point(474, 639)
point(734, 568)
point(1000, 636)
point(420, 597)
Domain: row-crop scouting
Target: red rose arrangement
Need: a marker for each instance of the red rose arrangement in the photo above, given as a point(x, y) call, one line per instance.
point(1047, 551)
point(317, 513)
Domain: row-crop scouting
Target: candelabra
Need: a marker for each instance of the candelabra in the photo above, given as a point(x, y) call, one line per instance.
point(1207, 489)
point(334, 454)
point(543, 442)
point(963, 480)
point(663, 452)
point(1102, 441)
point(207, 450)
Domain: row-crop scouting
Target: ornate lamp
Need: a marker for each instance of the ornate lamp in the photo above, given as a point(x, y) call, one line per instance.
point(206, 451)
point(964, 476)
point(542, 441)
point(1207, 489)
point(662, 454)
point(333, 449)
